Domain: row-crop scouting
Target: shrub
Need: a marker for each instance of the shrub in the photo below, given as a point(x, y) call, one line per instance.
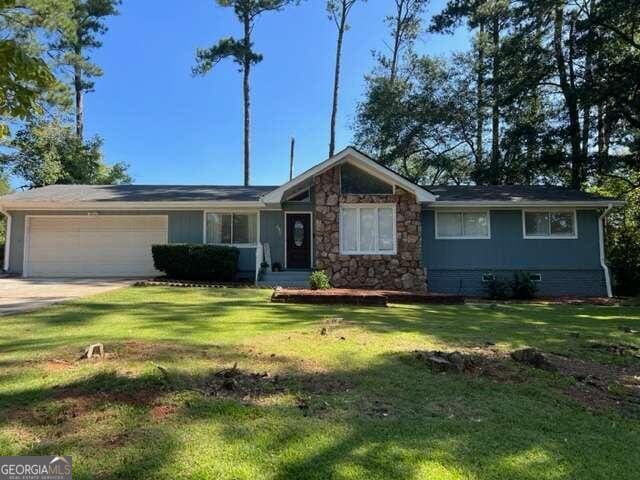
point(522, 286)
point(196, 262)
point(319, 280)
point(624, 257)
point(276, 267)
point(498, 289)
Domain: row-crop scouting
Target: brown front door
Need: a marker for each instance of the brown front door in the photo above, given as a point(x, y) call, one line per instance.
point(298, 240)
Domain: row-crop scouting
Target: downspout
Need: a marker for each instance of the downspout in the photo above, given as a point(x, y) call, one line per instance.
point(603, 260)
point(259, 250)
point(7, 240)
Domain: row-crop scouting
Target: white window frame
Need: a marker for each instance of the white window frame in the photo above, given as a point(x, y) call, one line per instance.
point(359, 206)
point(536, 277)
point(299, 192)
point(487, 213)
point(551, 236)
point(234, 212)
point(488, 277)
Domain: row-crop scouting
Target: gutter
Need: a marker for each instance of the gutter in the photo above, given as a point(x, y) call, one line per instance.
point(7, 240)
point(524, 203)
point(603, 260)
point(123, 205)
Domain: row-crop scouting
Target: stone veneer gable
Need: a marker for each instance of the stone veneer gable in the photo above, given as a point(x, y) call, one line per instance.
point(401, 271)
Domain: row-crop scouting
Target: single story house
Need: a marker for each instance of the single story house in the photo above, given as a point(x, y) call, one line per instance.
point(362, 223)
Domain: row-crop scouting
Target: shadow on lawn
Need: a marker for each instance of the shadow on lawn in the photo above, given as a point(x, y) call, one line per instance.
point(393, 419)
point(205, 314)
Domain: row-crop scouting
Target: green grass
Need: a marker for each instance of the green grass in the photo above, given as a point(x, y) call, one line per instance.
point(371, 411)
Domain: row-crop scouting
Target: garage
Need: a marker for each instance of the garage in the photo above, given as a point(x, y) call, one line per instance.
point(92, 245)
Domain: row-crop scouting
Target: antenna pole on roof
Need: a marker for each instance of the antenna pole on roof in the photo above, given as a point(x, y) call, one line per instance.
point(293, 146)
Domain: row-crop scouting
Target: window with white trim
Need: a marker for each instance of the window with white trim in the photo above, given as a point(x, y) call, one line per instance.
point(231, 228)
point(368, 229)
point(302, 196)
point(462, 225)
point(549, 224)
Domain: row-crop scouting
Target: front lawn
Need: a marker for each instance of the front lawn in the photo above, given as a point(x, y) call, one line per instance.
point(316, 392)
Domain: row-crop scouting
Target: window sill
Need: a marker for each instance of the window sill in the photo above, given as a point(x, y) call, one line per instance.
point(366, 254)
point(550, 237)
point(463, 238)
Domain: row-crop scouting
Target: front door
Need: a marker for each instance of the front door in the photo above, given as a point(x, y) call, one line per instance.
point(298, 240)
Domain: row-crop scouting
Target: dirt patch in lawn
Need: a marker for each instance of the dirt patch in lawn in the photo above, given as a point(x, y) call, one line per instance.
point(162, 411)
point(57, 365)
point(478, 361)
point(247, 386)
point(58, 412)
point(596, 386)
point(236, 383)
point(619, 349)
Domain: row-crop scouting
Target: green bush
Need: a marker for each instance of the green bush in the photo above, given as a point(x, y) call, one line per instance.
point(624, 258)
point(319, 280)
point(523, 287)
point(498, 289)
point(196, 262)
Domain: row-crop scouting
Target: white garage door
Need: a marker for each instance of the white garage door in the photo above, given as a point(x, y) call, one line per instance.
point(92, 246)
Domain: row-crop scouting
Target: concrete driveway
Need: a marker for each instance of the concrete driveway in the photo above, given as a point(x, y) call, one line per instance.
point(26, 294)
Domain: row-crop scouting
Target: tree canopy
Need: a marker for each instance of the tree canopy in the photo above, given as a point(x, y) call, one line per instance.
point(46, 153)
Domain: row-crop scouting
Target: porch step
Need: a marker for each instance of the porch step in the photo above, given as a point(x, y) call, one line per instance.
point(288, 278)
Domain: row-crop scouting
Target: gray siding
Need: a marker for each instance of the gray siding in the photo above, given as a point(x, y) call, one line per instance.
point(184, 227)
point(272, 232)
point(568, 266)
point(247, 262)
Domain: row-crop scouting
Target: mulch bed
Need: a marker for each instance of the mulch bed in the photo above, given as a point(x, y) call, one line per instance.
point(352, 296)
point(595, 386)
point(170, 282)
point(565, 300)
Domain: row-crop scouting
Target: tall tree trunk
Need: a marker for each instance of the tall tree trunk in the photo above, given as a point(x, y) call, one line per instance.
point(586, 112)
point(496, 170)
point(77, 85)
point(480, 98)
point(336, 81)
point(600, 129)
point(570, 98)
point(246, 72)
point(535, 107)
point(397, 41)
point(586, 99)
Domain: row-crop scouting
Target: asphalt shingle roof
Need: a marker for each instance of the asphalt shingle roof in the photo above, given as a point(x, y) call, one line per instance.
point(509, 193)
point(138, 193)
point(207, 193)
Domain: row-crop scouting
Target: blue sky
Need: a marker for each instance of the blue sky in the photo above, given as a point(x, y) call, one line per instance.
point(173, 128)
